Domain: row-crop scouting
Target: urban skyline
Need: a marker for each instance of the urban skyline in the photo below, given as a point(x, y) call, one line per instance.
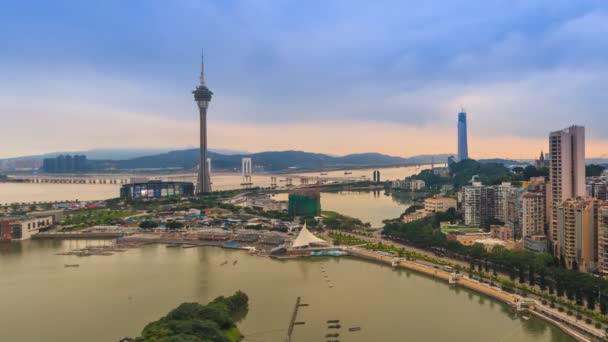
point(386, 83)
point(343, 159)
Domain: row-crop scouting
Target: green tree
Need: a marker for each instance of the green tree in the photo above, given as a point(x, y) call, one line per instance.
point(173, 225)
point(148, 224)
point(594, 170)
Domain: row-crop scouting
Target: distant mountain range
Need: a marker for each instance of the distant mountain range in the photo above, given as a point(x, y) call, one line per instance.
point(187, 159)
point(271, 161)
point(114, 154)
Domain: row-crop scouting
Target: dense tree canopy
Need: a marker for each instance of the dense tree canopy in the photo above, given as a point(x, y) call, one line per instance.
point(193, 322)
point(593, 170)
point(148, 224)
point(538, 269)
point(174, 225)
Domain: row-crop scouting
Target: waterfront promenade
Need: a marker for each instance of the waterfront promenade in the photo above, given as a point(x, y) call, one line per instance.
point(578, 330)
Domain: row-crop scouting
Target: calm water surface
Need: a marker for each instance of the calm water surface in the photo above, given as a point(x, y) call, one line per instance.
point(24, 192)
point(368, 206)
point(109, 297)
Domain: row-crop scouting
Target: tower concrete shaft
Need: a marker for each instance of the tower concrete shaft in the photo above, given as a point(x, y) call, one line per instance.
point(202, 96)
point(204, 177)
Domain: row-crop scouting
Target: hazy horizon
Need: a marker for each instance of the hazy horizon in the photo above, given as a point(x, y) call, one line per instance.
point(335, 77)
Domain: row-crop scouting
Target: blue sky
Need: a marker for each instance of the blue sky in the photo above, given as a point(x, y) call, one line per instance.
point(323, 76)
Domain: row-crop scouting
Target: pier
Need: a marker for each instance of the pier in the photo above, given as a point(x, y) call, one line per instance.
point(293, 322)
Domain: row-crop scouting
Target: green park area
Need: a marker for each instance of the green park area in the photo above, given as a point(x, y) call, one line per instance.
point(87, 218)
point(447, 228)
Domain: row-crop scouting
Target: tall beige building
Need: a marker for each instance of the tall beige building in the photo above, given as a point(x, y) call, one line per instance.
point(577, 232)
point(567, 172)
point(602, 243)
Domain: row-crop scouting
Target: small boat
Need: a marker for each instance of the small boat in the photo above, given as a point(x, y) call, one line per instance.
point(71, 265)
point(354, 329)
point(336, 326)
point(527, 318)
point(348, 173)
point(333, 321)
point(332, 335)
point(331, 286)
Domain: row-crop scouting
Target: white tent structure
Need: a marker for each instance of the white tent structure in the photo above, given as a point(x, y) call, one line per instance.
point(305, 238)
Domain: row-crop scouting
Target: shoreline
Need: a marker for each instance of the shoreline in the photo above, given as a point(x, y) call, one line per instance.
point(575, 330)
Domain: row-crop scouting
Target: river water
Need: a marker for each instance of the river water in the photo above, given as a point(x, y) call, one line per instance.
point(109, 297)
point(45, 192)
point(368, 206)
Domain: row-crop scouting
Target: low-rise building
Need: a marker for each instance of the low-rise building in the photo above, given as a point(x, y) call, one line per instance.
point(435, 204)
point(24, 228)
point(5, 229)
point(504, 233)
point(536, 243)
point(417, 215)
point(417, 185)
point(468, 239)
point(155, 189)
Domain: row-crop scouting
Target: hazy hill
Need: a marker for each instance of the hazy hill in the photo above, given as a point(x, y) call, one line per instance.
point(271, 161)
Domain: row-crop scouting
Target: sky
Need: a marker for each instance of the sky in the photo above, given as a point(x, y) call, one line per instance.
point(325, 76)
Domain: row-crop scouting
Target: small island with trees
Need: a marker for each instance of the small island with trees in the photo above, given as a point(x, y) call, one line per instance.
point(194, 322)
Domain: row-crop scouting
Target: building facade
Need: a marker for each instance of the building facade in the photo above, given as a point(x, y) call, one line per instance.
point(476, 204)
point(417, 185)
point(567, 172)
point(602, 246)
point(501, 194)
point(155, 189)
point(577, 232)
point(6, 229)
point(435, 204)
point(532, 214)
point(65, 164)
point(24, 228)
point(304, 203)
point(463, 147)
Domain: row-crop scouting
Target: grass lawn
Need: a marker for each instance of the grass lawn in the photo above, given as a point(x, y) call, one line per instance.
point(446, 229)
point(87, 218)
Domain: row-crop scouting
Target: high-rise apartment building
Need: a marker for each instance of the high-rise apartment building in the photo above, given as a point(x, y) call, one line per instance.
point(567, 171)
point(479, 205)
point(532, 209)
point(483, 204)
point(577, 237)
point(532, 214)
point(502, 194)
point(463, 147)
point(602, 237)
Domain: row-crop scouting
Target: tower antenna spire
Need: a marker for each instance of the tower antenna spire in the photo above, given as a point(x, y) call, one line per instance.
point(202, 67)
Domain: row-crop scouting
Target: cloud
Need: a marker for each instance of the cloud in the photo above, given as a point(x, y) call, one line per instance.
point(520, 68)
